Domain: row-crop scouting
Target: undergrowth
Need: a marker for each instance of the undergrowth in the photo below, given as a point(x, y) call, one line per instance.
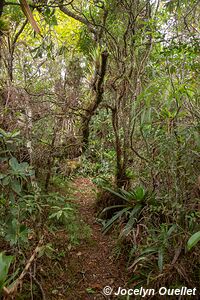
point(31, 221)
point(159, 238)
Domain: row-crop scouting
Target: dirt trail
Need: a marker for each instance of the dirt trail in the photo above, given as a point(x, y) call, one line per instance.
point(81, 272)
point(95, 262)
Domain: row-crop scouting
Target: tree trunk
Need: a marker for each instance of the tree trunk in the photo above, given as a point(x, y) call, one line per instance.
point(99, 90)
point(121, 178)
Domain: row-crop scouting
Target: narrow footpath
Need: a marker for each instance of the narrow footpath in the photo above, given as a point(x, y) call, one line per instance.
point(94, 258)
point(82, 271)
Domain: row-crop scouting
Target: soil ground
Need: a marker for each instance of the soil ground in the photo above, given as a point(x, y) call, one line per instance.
point(84, 270)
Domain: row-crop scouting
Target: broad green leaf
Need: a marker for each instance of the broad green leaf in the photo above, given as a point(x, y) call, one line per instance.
point(16, 186)
point(149, 250)
point(116, 193)
point(12, 232)
point(6, 180)
point(3, 133)
point(193, 240)
point(11, 197)
point(114, 218)
point(132, 218)
point(110, 207)
point(54, 215)
point(5, 262)
point(9, 282)
point(139, 193)
point(14, 134)
point(2, 176)
point(171, 229)
point(14, 164)
point(16, 232)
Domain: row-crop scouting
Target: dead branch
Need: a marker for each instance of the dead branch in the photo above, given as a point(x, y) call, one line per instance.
point(9, 293)
point(39, 285)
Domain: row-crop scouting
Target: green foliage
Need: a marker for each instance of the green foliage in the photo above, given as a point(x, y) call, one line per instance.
point(13, 194)
point(49, 15)
point(129, 212)
point(150, 243)
point(5, 262)
point(14, 177)
point(16, 233)
point(9, 141)
point(193, 240)
point(4, 26)
point(145, 128)
point(161, 243)
point(24, 213)
point(138, 194)
point(85, 42)
point(61, 214)
point(47, 250)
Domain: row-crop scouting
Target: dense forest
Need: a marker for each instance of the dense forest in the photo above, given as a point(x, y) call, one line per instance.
point(99, 149)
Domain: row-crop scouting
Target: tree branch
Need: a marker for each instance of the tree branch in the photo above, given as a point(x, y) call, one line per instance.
point(13, 289)
point(71, 14)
